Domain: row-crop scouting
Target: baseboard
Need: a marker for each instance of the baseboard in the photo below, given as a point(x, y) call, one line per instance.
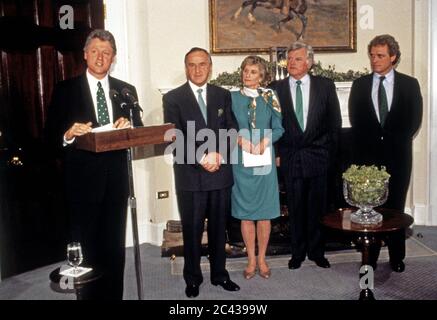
point(420, 214)
point(153, 232)
point(148, 233)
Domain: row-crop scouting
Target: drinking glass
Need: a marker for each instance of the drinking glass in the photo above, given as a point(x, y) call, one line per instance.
point(74, 255)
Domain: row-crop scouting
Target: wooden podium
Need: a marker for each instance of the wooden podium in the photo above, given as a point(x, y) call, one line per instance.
point(127, 139)
point(123, 139)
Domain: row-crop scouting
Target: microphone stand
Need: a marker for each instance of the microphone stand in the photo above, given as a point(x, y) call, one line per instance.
point(133, 209)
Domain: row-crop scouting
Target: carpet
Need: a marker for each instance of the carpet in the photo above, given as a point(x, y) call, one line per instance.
point(414, 249)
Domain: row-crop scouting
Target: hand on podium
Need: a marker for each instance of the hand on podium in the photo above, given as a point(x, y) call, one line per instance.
point(77, 130)
point(121, 123)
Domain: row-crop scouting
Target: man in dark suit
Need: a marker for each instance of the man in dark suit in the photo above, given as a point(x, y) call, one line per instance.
point(96, 183)
point(312, 121)
point(385, 111)
point(203, 177)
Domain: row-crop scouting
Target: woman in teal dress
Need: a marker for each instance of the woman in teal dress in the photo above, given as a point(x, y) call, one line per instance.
point(255, 194)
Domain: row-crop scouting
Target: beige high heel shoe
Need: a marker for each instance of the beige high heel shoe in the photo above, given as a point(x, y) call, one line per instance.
point(249, 274)
point(265, 274)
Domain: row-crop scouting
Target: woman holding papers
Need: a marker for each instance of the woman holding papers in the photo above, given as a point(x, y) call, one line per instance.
point(255, 194)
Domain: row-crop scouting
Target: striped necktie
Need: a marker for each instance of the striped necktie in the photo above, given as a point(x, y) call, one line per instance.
point(202, 104)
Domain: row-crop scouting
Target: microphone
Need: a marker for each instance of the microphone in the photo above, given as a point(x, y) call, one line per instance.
point(117, 98)
point(128, 95)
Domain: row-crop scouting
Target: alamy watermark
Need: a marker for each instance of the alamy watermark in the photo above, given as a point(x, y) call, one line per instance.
point(367, 277)
point(66, 17)
point(191, 147)
point(367, 17)
point(66, 282)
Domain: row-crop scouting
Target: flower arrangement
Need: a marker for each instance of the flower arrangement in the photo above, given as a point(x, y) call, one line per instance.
point(282, 63)
point(367, 184)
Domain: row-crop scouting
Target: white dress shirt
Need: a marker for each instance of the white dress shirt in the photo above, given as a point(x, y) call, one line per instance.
point(305, 87)
point(92, 83)
point(388, 84)
point(194, 88)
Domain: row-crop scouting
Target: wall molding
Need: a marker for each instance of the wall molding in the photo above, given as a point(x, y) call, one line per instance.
point(432, 117)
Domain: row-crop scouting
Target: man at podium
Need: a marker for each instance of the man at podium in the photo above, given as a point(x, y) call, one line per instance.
point(96, 184)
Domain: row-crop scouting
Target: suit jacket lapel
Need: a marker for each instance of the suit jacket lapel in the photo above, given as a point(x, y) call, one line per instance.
point(88, 103)
point(312, 102)
point(396, 90)
point(287, 96)
point(117, 112)
point(368, 94)
point(212, 110)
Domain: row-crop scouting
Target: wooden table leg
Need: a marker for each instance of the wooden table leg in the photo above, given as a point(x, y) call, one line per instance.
point(366, 270)
point(79, 295)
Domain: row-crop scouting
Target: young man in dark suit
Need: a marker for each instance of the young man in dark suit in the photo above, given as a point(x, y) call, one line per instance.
point(312, 121)
point(385, 111)
point(96, 183)
point(203, 183)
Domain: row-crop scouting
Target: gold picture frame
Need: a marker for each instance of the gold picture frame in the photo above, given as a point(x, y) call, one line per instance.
point(331, 25)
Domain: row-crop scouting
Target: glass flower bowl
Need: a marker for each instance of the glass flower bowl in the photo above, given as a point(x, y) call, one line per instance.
point(366, 196)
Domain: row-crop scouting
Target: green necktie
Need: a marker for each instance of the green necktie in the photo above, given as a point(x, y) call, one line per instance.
point(102, 108)
point(382, 102)
point(299, 104)
point(202, 105)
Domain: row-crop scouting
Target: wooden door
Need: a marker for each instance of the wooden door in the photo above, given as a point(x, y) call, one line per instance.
point(36, 52)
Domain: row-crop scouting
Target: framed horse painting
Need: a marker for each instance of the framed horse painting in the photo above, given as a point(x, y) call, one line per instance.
point(248, 26)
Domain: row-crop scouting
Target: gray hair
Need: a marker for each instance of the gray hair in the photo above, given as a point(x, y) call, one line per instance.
point(392, 44)
point(102, 35)
point(299, 45)
point(197, 49)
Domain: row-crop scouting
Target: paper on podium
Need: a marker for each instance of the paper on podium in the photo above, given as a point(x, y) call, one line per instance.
point(257, 160)
point(70, 272)
point(105, 128)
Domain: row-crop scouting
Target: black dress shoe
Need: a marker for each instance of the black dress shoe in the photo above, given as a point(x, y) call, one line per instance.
point(322, 263)
point(192, 290)
point(397, 266)
point(294, 263)
point(228, 285)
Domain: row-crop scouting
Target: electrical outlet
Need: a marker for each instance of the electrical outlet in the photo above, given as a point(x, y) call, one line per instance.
point(162, 195)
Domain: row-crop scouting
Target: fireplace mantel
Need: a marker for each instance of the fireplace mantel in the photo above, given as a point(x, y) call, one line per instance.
point(343, 90)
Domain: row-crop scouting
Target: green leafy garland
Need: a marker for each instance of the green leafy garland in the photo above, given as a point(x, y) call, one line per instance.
point(233, 79)
point(331, 73)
